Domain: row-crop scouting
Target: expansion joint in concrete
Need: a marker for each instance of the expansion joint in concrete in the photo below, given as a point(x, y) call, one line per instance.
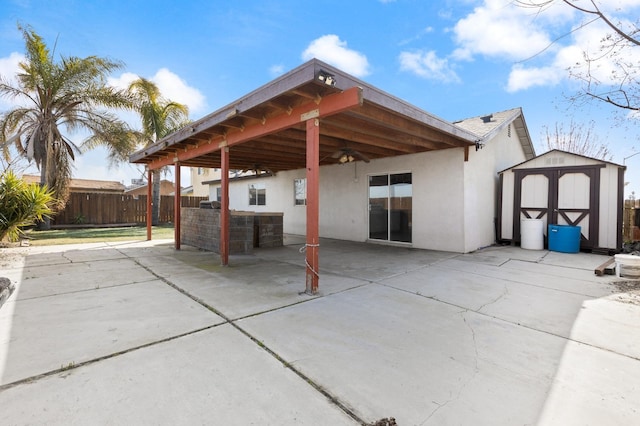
point(233, 323)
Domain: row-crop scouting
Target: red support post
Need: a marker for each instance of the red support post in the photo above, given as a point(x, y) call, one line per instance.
point(313, 205)
point(224, 206)
point(176, 208)
point(149, 205)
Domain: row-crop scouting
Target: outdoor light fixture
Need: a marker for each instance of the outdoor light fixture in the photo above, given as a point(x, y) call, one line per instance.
point(479, 145)
point(345, 158)
point(326, 78)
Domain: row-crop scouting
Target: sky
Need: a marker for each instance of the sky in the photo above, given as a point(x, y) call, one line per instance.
point(452, 58)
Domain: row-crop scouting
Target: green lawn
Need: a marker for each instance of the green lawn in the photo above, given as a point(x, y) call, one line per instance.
point(93, 235)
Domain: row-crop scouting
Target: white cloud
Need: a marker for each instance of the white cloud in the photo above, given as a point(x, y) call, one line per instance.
point(171, 86)
point(331, 49)
point(9, 65)
point(542, 42)
point(276, 70)
point(123, 81)
point(522, 78)
point(500, 29)
point(428, 65)
point(8, 70)
point(587, 40)
point(175, 88)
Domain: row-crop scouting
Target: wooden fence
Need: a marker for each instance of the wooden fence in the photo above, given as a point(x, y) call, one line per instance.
point(105, 209)
point(631, 220)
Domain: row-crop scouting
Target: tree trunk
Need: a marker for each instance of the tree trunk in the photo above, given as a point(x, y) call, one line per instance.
point(45, 223)
point(155, 198)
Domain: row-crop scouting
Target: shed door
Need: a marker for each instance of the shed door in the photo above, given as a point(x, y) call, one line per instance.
point(572, 198)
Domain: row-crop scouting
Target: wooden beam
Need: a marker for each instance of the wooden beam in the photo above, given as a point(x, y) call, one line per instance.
point(176, 208)
point(313, 205)
point(331, 104)
point(149, 205)
point(224, 207)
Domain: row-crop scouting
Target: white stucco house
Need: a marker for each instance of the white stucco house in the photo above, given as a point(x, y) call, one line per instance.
point(442, 199)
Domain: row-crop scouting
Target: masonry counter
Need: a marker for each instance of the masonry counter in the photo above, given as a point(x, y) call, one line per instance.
point(200, 227)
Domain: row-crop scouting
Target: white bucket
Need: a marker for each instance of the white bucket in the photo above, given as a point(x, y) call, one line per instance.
point(532, 234)
point(627, 266)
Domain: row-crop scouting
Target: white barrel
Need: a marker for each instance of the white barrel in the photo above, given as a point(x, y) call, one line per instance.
point(532, 234)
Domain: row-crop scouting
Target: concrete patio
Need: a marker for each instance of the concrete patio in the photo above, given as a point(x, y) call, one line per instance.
point(137, 333)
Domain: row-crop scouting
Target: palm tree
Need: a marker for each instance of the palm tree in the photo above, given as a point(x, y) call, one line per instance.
point(159, 117)
point(54, 99)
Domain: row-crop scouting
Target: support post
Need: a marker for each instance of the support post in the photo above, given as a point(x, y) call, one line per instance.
point(176, 208)
point(224, 206)
point(149, 204)
point(313, 205)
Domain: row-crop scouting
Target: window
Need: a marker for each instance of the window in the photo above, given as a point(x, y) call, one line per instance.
point(299, 192)
point(218, 194)
point(257, 194)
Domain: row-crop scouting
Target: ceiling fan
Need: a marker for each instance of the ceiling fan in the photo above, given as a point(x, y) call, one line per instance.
point(258, 169)
point(348, 155)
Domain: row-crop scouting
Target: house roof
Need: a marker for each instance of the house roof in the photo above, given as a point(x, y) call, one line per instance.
point(266, 128)
point(85, 184)
point(485, 127)
point(163, 182)
point(556, 151)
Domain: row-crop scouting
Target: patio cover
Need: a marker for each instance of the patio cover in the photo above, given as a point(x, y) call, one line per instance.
point(299, 121)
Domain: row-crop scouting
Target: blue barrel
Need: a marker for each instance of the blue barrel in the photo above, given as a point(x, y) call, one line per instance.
point(564, 238)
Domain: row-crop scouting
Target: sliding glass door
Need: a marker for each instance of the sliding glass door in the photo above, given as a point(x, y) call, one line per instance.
point(390, 207)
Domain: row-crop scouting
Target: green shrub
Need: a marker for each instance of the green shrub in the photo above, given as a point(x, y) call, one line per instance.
point(21, 204)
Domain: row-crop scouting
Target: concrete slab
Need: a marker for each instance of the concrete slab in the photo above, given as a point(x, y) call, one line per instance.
point(502, 336)
point(540, 275)
point(77, 327)
point(611, 323)
point(74, 277)
point(390, 353)
point(497, 255)
point(216, 376)
point(348, 258)
point(584, 261)
point(593, 387)
point(247, 286)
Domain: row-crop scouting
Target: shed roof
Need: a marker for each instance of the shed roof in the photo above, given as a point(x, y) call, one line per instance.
point(380, 125)
point(559, 151)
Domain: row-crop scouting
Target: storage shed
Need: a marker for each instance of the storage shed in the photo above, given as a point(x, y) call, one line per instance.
point(562, 188)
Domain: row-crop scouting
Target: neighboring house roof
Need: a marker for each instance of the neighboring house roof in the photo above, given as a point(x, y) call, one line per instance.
point(487, 126)
point(85, 185)
point(166, 188)
point(556, 151)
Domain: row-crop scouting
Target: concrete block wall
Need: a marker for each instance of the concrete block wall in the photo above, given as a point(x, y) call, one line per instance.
point(201, 228)
point(270, 230)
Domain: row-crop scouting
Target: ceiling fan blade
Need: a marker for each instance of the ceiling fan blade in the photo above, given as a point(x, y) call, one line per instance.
point(338, 153)
point(361, 156)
